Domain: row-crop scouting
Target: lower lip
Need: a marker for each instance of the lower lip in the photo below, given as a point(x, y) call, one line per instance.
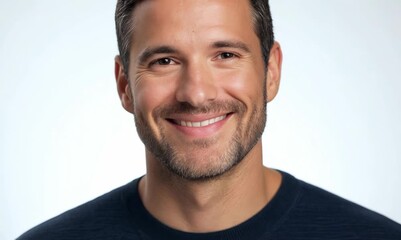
point(202, 132)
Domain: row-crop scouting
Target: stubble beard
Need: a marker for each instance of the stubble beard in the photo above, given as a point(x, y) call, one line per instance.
point(183, 162)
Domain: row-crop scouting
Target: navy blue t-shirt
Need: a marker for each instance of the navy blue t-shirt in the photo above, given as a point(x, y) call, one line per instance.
point(297, 211)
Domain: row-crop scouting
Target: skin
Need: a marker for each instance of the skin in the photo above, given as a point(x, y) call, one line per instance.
point(201, 75)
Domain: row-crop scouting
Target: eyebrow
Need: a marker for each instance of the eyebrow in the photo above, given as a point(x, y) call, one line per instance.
point(149, 52)
point(231, 44)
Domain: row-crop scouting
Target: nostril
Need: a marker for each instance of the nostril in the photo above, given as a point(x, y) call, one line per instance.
point(196, 96)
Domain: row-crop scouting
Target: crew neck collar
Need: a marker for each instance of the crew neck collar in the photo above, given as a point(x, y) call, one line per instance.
point(261, 224)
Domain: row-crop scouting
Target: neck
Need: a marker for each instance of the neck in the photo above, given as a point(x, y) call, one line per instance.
point(207, 206)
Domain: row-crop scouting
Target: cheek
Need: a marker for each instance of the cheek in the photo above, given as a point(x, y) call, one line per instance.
point(243, 85)
point(150, 93)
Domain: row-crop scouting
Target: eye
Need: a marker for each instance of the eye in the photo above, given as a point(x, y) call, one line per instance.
point(226, 55)
point(162, 61)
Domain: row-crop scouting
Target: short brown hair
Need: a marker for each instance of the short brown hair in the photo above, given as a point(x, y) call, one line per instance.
point(263, 25)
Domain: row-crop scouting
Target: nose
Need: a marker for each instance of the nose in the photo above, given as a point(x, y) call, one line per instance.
point(196, 85)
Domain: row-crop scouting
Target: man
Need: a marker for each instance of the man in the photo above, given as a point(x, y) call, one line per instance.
point(197, 76)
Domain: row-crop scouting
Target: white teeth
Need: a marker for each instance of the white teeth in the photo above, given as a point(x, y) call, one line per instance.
point(202, 123)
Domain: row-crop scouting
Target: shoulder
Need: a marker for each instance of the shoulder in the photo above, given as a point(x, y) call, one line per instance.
point(105, 217)
point(316, 198)
point(320, 212)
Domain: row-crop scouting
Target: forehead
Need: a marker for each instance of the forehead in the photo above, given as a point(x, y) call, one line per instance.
point(189, 21)
point(178, 9)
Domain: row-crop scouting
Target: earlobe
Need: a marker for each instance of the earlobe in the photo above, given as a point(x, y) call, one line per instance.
point(274, 71)
point(123, 87)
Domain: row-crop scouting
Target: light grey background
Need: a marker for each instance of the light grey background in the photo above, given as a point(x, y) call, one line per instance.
point(64, 138)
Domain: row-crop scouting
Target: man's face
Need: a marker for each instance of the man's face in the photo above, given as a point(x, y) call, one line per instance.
point(198, 82)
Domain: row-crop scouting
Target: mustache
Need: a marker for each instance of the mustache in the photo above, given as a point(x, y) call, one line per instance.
point(212, 107)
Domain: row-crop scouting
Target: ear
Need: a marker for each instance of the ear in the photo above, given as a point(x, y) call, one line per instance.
point(274, 71)
point(123, 87)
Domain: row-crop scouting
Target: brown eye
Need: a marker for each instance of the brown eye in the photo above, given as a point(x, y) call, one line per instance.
point(226, 55)
point(164, 61)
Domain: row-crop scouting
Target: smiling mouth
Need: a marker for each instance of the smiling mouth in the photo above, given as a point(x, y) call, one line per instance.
point(202, 123)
